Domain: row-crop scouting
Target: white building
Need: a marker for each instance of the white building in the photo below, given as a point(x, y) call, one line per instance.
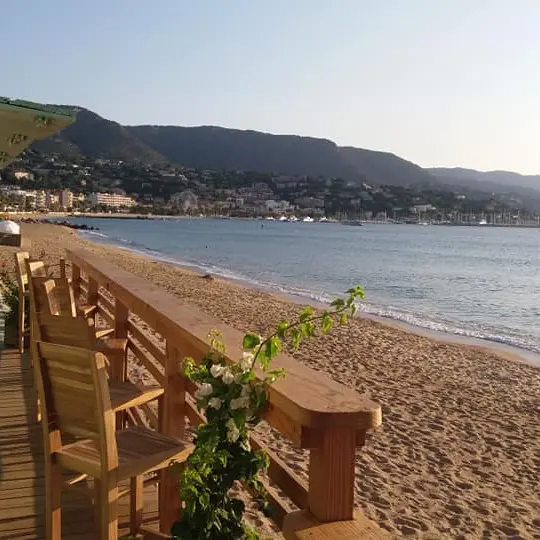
point(66, 198)
point(19, 175)
point(112, 200)
point(186, 200)
point(277, 205)
point(51, 199)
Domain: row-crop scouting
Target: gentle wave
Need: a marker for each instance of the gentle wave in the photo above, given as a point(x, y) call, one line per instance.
point(311, 296)
point(412, 319)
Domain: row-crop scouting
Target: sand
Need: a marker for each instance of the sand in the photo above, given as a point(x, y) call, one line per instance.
point(458, 455)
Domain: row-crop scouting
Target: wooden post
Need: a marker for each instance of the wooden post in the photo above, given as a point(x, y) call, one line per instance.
point(172, 423)
point(76, 281)
point(118, 366)
point(331, 475)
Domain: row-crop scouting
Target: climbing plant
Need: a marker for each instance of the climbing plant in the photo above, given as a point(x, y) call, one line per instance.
point(233, 398)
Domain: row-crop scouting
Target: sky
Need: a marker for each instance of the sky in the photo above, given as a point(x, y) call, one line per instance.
point(442, 83)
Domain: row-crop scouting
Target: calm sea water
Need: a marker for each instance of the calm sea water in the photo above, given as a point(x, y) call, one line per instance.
point(469, 281)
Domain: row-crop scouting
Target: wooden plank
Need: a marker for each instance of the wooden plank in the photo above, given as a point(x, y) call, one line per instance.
point(147, 362)
point(143, 338)
point(22, 480)
point(172, 422)
point(108, 316)
point(302, 525)
point(106, 303)
point(308, 397)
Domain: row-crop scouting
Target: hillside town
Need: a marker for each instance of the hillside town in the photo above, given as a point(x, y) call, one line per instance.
point(52, 183)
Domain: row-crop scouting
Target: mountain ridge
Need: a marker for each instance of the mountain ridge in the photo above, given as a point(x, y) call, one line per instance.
point(216, 147)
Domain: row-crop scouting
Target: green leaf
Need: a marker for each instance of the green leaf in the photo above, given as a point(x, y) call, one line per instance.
point(327, 322)
point(357, 291)
point(343, 319)
point(338, 303)
point(282, 329)
point(306, 314)
point(273, 347)
point(354, 310)
point(296, 338)
point(251, 341)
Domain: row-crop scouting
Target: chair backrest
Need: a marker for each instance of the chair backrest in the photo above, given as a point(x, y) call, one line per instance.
point(53, 296)
point(74, 393)
point(20, 266)
point(63, 330)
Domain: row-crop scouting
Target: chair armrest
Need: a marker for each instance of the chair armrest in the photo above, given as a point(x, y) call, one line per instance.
point(107, 333)
point(112, 345)
point(87, 310)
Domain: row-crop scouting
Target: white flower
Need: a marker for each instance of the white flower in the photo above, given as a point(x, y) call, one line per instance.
point(215, 403)
point(204, 391)
point(217, 370)
point(247, 361)
point(227, 377)
point(232, 431)
point(239, 403)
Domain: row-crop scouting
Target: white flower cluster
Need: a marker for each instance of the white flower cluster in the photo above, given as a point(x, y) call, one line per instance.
point(227, 376)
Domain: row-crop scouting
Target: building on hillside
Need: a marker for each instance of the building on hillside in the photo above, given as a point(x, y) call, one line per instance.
point(185, 200)
point(274, 206)
point(41, 199)
point(66, 198)
point(309, 202)
point(112, 200)
point(23, 175)
point(51, 199)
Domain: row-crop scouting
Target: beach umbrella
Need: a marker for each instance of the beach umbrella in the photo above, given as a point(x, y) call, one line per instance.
point(22, 122)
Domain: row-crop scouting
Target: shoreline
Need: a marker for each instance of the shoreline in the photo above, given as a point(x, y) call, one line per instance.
point(457, 455)
point(511, 352)
point(348, 222)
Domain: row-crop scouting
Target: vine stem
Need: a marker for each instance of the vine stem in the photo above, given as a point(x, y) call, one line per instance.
point(296, 324)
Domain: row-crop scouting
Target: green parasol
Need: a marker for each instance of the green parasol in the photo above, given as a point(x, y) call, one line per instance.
point(22, 122)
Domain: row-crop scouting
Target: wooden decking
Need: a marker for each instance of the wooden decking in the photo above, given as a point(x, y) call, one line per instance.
point(22, 481)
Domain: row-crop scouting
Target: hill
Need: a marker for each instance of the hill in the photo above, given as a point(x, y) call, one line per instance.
point(384, 167)
point(489, 181)
point(216, 148)
point(95, 137)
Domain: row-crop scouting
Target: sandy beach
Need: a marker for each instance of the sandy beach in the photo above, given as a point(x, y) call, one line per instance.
point(458, 455)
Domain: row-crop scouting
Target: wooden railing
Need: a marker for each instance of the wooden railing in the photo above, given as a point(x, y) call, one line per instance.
point(307, 407)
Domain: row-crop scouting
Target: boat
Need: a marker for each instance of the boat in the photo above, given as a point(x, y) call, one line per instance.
point(282, 218)
point(292, 219)
point(482, 222)
point(308, 219)
point(270, 218)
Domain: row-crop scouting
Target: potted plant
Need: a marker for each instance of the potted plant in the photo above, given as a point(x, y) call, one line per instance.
point(9, 290)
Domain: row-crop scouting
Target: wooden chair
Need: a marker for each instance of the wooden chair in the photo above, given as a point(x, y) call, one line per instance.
point(74, 390)
point(66, 300)
point(79, 333)
point(22, 281)
point(55, 296)
point(39, 268)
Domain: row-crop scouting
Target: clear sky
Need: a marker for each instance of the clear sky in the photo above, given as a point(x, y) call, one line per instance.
point(438, 82)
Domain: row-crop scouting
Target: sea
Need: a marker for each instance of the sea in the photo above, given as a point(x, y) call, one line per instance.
point(477, 282)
